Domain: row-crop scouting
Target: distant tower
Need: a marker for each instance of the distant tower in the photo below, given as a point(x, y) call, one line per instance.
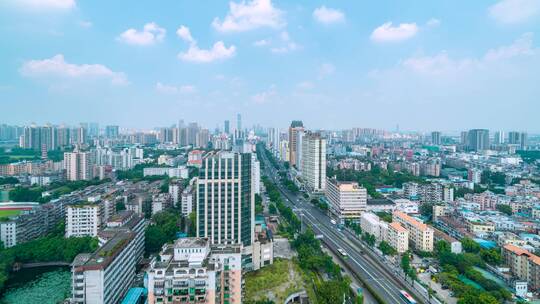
point(436, 138)
point(239, 122)
point(227, 127)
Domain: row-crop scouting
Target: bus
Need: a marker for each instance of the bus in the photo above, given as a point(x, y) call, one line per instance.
point(343, 253)
point(407, 297)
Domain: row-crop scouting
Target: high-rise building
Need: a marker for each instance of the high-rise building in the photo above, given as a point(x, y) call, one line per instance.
point(225, 199)
point(436, 138)
point(238, 122)
point(77, 165)
point(523, 140)
point(112, 131)
point(347, 200)
point(498, 138)
point(38, 138)
point(255, 173)
point(227, 127)
point(464, 139)
point(478, 139)
point(314, 161)
point(296, 126)
point(517, 138)
point(513, 138)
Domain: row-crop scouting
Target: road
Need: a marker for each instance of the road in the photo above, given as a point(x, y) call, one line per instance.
point(363, 265)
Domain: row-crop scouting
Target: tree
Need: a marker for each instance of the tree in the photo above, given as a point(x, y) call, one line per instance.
point(120, 206)
point(507, 209)
point(258, 204)
point(442, 247)
point(385, 216)
point(472, 297)
point(272, 209)
point(426, 209)
point(386, 249)
point(491, 256)
point(406, 262)
point(24, 194)
point(470, 245)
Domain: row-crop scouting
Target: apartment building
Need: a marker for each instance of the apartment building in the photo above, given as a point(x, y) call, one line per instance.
point(370, 223)
point(77, 165)
point(225, 199)
point(398, 237)
point(347, 200)
point(187, 199)
point(420, 234)
point(523, 264)
point(83, 219)
point(193, 271)
point(105, 275)
point(314, 162)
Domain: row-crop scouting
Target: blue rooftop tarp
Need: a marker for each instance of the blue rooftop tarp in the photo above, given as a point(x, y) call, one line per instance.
point(134, 295)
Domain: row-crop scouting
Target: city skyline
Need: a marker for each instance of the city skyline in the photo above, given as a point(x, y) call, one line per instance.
point(424, 66)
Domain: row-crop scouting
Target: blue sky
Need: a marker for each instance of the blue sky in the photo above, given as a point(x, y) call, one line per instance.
point(424, 65)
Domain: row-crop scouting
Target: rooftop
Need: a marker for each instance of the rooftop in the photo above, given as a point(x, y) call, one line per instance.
point(411, 220)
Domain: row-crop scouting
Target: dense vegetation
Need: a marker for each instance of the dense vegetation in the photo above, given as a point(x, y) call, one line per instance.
point(316, 264)
point(374, 178)
point(458, 268)
point(18, 154)
point(50, 248)
point(529, 156)
point(33, 194)
point(507, 209)
point(8, 180)
point(137, 173)
point(163, 229)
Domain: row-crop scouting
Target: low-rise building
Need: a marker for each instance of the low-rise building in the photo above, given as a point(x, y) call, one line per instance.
point(105, 275)
point(83, 219)
point(347, 199)
point(420, 234)
point(398, 237)
point(523, 264)
point(193, 271)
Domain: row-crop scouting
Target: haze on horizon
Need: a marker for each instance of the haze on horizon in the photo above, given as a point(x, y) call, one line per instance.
point(445, 65)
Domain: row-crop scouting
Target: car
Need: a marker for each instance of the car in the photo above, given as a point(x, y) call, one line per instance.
point(333, 222)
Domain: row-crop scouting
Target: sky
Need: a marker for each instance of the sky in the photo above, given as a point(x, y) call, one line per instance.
point(423, 65)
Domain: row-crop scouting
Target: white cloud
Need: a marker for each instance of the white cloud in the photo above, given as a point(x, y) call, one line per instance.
point(328, 15)
point(389, 33)
point(85, 24)
point(443, 64)
point(288, 45)
point(265, 96)
point(514, 11)
point(326, 69)
point(45, 4)
point(150, 34)
point(438, 64)
point(170, 89)
point(58, 67)
point(305, 85)
point(194, 54)
point(521, 46)
point(244, 16)
point(433, 22)
point(166, 89)
point(185, 34)
point(218, 52)
point(262, 42)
